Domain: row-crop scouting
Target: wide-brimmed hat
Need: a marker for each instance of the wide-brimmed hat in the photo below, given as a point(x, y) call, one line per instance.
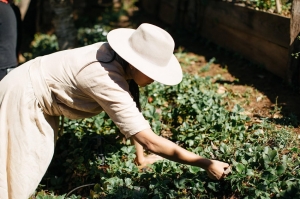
point(150, 50)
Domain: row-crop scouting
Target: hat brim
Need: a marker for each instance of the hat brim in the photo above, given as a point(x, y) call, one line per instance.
point(171, 74)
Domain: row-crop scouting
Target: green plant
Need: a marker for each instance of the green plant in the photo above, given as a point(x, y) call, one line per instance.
point(181, 55)
point(42, 44)
point(296, 54)
point(92, 35)
point(206, 67)
point(264, 158)
point(267, 5)
point(50, 195)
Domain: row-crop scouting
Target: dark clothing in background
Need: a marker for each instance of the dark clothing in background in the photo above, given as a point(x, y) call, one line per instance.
point(17, 12)
point(8, 38)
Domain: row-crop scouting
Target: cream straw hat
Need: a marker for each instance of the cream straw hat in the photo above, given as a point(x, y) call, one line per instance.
point(150, 50)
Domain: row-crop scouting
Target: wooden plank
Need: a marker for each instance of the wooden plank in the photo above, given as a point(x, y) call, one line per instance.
point(150, 6)
point(168, 11)
point(188, 11)
point(274, 57)
point(259, 36)
point(293, 75)
point(267, 26)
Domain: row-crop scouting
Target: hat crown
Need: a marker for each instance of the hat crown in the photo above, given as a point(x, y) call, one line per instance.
point(152, 44)
point(150, 50)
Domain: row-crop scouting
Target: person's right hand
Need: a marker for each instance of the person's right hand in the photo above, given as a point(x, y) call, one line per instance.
point(216, 169)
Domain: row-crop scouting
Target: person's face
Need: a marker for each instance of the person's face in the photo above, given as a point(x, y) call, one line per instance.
point(140, 78)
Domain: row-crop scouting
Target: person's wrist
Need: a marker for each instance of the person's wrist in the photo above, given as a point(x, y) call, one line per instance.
point(204, 163)
point(139, 160)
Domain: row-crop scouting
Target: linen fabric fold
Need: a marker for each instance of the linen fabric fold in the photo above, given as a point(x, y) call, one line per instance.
point(75, 83)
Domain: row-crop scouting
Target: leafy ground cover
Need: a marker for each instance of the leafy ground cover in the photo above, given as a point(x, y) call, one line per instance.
point(282, 7)
point(199, 114)
point(225, 108)
point(264, 157)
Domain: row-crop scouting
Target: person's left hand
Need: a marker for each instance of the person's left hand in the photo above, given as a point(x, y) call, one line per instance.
point(149, 159)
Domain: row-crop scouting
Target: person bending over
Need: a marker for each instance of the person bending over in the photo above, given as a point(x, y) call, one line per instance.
point(80, 83)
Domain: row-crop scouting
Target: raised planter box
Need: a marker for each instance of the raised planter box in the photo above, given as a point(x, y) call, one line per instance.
point(262, 37)
point(259, 36)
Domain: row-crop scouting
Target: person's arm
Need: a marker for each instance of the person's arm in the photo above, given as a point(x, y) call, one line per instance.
point(141, 159)
point(139, 151)
point(167, 149)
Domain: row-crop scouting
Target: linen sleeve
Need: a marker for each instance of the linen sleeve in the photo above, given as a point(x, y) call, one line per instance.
point(106, 84)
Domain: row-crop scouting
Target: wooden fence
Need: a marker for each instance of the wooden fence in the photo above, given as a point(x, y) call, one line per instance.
point(265, 38)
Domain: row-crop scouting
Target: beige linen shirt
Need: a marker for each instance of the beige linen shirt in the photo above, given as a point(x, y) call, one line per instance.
point(75, 83)
point(82, 85)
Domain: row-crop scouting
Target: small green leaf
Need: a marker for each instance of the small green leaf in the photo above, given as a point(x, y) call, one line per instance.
point(272, 154)
point(194, 169)
point(280, 169)
point(240, 168)
point(97, 188)
point(250, 172)
point(212, 186)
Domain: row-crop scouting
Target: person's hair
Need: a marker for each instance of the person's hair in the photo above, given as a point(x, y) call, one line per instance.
point(133, 87)
point(135, 92)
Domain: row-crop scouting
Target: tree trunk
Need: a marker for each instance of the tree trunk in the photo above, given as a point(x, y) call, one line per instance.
point(63, 22)
point(294, 49)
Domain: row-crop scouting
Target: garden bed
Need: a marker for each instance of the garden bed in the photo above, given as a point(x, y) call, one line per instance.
point(246, 112)
point(262, 37)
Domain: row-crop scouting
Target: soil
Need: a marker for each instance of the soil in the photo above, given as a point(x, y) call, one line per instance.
point(262, 94)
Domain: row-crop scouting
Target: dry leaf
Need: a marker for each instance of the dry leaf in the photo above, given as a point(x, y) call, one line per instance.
point(213, 146)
